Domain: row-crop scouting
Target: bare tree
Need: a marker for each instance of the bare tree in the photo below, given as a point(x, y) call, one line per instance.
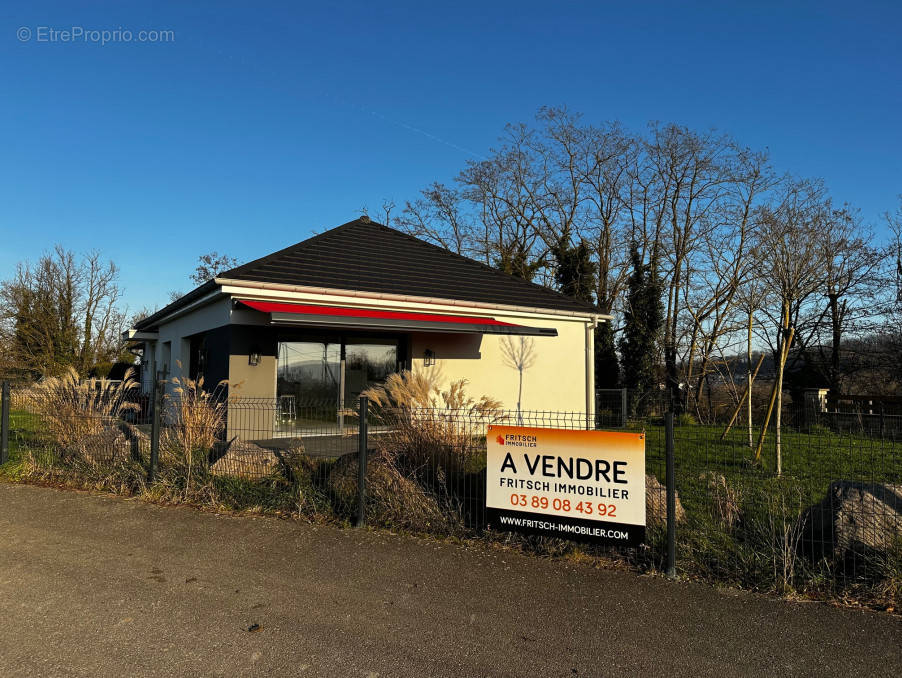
point(509, 239)
point(793, 269)
point(686, 178)
point(692, 202)
point(211, 265)
point(607, 155)
point(726, 261)
point(388, 205)
point(852, 284)
point(440, 216)
point(61, 312)
point(99, 309)
point(519, 355)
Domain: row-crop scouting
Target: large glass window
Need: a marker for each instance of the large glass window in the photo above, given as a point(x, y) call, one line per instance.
point(309, 372)
point(332, 372)
point(366, 363)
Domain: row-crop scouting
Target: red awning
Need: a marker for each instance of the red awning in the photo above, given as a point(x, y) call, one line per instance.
point(369, 318)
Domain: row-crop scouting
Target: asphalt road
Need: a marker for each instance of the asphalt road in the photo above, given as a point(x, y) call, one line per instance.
point(100, 586)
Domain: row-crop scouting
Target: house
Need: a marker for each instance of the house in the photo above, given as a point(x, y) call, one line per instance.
point(322, 320)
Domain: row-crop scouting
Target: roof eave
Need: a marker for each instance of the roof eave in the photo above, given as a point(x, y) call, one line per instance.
point(301, 289)
point(178, 307)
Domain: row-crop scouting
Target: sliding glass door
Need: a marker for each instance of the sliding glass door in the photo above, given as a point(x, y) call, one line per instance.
point(331, 374)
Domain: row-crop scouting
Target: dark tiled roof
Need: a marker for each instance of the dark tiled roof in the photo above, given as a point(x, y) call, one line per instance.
point(369, 257)
point(365, 256)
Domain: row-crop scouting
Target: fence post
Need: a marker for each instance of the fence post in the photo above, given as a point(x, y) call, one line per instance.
point(671, 496)
point(361, 462)
point(156, 407)
point(4, 424)
point(624, 404)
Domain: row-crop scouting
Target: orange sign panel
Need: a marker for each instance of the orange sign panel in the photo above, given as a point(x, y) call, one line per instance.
point(586, 485)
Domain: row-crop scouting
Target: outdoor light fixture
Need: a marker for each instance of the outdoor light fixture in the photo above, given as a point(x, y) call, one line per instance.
point(428, 358)
point(253, 359)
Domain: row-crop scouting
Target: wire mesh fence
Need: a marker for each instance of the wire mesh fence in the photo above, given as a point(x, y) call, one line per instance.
point(818, 510)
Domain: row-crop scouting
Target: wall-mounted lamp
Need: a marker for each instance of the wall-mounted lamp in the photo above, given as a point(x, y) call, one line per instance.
point(253, 359)
point(428, 358)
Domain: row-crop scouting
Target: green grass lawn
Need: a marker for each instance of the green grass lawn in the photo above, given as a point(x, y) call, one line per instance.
point(810, 461)
point(26, 431)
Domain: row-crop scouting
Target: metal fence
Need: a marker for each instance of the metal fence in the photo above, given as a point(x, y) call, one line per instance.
point(820, 511)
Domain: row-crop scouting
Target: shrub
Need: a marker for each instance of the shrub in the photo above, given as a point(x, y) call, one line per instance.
point(72, 408)
point(429, 428)
point(686, 419)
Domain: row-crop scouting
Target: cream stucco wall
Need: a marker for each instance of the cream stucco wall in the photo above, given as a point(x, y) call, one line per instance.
point(253, 412)
point(556, 381)
point(560, 380)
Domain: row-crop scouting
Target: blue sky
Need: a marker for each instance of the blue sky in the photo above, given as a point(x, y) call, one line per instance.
point(262, 123)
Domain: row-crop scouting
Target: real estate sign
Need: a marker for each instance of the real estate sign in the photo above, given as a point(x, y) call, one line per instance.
point(586, 485)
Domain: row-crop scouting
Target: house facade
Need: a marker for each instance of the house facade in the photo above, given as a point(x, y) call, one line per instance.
point(320, 321)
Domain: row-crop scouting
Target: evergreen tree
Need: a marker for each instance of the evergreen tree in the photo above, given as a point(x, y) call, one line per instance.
point(607, 367)
point(575, 272)
point(575, 276)
point(643, 321)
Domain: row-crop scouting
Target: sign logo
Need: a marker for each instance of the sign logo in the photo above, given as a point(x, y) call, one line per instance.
point(584, 485)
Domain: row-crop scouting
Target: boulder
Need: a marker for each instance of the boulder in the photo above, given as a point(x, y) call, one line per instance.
point(115, 443)
point(392, 498)
point(244, 459)
point(854, 519)
point(656, 502)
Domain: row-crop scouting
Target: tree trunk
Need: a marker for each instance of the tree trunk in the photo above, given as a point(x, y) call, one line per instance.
point(748, 381)
point(785, 341)
point(777, 434)
point(834, 349)
point(520, 400)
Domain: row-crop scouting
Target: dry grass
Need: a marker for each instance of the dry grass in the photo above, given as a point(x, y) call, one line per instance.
point(781, 530)
point(72, 409)
point(197, 423)
point(431, 428)
point(725, 500)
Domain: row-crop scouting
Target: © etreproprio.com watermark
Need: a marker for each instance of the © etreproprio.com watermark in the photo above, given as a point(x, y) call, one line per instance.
point(93, 36)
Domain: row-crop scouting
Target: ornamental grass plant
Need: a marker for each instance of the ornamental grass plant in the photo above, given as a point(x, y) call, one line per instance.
point(73, 408)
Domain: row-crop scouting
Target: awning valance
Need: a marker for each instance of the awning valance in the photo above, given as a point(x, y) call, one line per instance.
point(371, 318)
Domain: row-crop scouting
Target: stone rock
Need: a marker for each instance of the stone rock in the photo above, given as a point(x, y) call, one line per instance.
point(115, 443)
point(656, 503)
point(244, 459)
point(854, 519)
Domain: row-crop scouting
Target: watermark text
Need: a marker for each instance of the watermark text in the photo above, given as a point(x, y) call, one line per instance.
point(93, 36)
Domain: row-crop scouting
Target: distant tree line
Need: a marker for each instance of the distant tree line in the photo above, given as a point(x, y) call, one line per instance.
point(66, 310)
point(61, 311)
point(692, 241)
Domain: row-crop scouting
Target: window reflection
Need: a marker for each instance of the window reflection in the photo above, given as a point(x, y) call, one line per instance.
point(309, 371)
point(367, 364)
